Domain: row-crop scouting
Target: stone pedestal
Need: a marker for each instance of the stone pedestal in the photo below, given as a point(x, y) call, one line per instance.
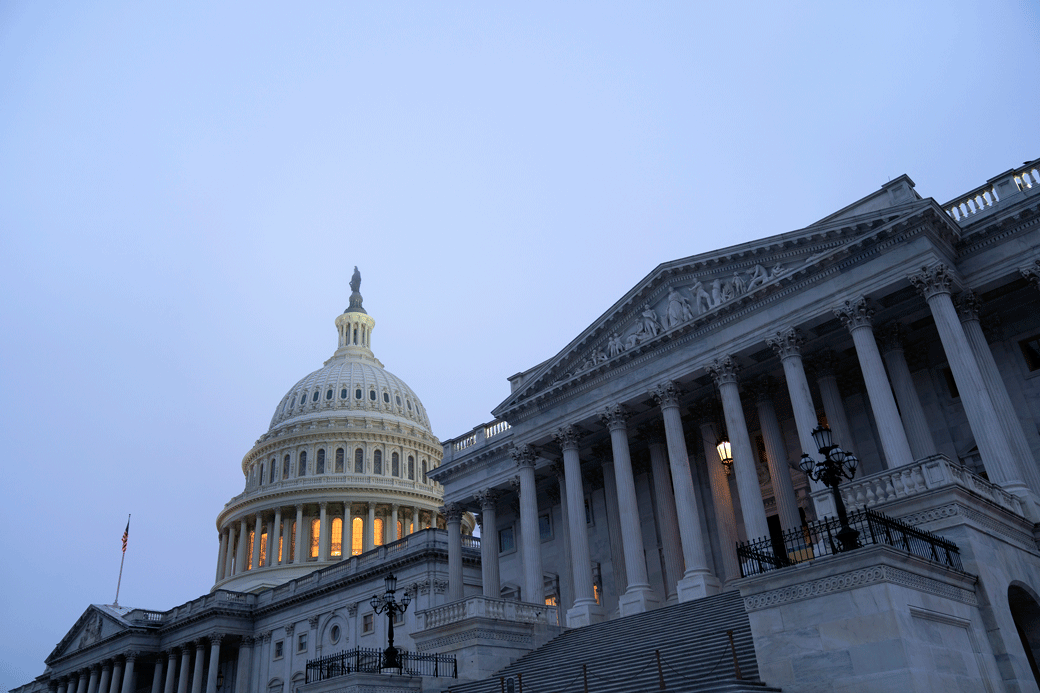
point(365, 683)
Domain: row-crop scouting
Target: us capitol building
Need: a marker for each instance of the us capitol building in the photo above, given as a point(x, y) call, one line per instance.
point(672, 501)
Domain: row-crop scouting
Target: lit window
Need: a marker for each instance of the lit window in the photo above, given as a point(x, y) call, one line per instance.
point(411, 468)
point(337, 536)
point(395, 464)
point(301, 642)
point(595, 593)
point(315, 537)
point(400, 529)
point(550, 600)
point(357, 536)
point(319, 466)
point(263, 549)
point(367, 623)
point(292, 542)
point(281, 543)
point(377, 538)
point(249, 552)
point(377, 462)
point(359, 461)
point(339, 460)
point(302, 469)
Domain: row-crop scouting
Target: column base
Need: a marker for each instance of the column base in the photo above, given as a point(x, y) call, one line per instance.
point(698, 586)
point(584, 613)
point(637, 600)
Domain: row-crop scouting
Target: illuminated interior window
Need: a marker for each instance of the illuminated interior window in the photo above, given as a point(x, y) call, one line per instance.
point(281, 543)
point(337, 536)
point(249, 552)
point(400, 529)
point(595, 592)
point(378, 538)
point(356, 537)
point(263, 549)
point(292, 542)
point(315, 537)
point(550, 600)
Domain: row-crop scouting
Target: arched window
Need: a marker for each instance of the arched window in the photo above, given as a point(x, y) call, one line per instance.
point(303, 398)
point(272, 470)
point(411, 468)
point(339, 460)
point(343, 393)
point(320, 463)
point(301, 469)
point(263, 549)
point(337, 537)
point(386, 397)
point(378, 532)
point(395, 464)
point(372, 395)
point(315, 537)
point(328, 395)
point(292, 541)
point(285, 467)
point(424, 479)
point(359, 461)
point(377, 462)
point(400, 529)
point(249, 551)
point(314, 397)
point(356, 536)
point(357, 393)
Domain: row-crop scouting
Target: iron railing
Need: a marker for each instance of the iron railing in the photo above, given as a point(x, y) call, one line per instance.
point(818, 539)
point(370, 661)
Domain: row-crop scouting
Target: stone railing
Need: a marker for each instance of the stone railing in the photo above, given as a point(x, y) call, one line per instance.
point(486, 607)
point(476, 438)
point(322, 480)
point(923, 475)
point(986, 196)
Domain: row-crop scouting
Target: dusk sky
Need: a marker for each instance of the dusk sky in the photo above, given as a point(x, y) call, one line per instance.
point(185, 189)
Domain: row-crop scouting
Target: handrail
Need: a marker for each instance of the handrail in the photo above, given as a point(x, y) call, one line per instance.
point(370, 660)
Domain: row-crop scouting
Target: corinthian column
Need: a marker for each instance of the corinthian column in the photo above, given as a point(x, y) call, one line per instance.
point(453, 524)
point(916, 425)
point(214, 661)
point(697, 579)
point(934, 284)
point(667, 516)
point(617, 551)
point(488, 499)
point(532, 550)
point(258, 530)
point(585, 610)
point(92, 683)
point(245, 656)
point(776, 455)
point(241, 559)
point(221, 555)
point(639, 597)
point(171, 670)
point(724, 371)
point(856, 316)
point(182, 685)
point(104, 683)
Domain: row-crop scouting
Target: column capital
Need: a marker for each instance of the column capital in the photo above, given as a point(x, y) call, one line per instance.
point(131, 655)
point(667, 394)
point(247, 641)
point(568, 437)
point(969, 305)
point(266, 635)
point(615, 417)
point(290, 629)
point(787, 343)
point(891, 337)
point(488, 498)
point(724, 370)
point(855, 313)
point(106, 664)
point(1031, 273)
point(932, 281)
point(170, 654)
point(95, 668)
point(322, 505)
point(216, 638)
point(515, 483)
point(299, 507)
point(313, 622)
point(452, 512)
point(200, 644)
point(523, 455)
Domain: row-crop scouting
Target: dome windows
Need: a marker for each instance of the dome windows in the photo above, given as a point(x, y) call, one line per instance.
point(357, 393)
point(272, 470)
point(359, 461)
point(411, 468)
point(372, 395)
point(339, 460)
point(285, 466)
point(303, 399)
point(301, 469)
point(319, 464)
point(314, 398)
point(377, 462)
point(343, 393)
point(409, 402)
point(395, 464)
point(424, 479)
point(386, 397)
point(328, 395)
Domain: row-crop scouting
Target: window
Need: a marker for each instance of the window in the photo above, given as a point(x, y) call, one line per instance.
point(395, 465)
point(545, 528)
point(357, 393)
point(292, 542)
point(315, 537)
point(281, 543)
point(339, 460)
point(301, 642)
point(262, 475)
point(367, 624)
point(343, 393)
point(314, 398)
point(359, 461)
point(279, 649)
point(272, 470)
point(328, 395)
point(319, 467)
point(263, 549)
point(397, 398)
point(285, 467)
point(398, 618)
point(424, 479)
point(400, 529)
point(386, 397)
point(372, 395)
point(378, 535)
point(337, 537)
point(1031, 351)
point(411, 468)
point(334, 634)
point(506, 540)
point(409, 403)
point(356, 536)
point(302, 467)
point(377, 462)
point(303, 399)
point(249, 552)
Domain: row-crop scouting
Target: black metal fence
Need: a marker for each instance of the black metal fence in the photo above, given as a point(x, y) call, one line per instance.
point(370, 661)
point(818, 539)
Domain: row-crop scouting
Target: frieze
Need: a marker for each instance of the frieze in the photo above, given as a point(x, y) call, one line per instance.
point(854, 580)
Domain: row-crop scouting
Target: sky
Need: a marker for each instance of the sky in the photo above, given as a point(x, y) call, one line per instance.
point(185, 189)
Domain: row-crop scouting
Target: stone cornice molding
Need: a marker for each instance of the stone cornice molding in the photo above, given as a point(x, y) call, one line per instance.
point(786, 343)
point(933, 281)
point(855, 313)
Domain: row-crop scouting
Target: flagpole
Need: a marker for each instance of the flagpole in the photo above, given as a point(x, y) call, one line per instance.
point(126, 535)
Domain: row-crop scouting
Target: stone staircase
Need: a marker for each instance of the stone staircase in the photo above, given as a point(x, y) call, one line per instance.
point(620, 655)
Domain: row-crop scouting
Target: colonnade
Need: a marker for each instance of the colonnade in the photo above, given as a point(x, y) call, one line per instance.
point(902, 429)
point(287, 528)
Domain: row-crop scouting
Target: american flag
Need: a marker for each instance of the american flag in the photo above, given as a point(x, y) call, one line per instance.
point(126, 534)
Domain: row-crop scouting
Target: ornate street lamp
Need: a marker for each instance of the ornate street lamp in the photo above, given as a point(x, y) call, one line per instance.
point(836, 464)
point(390, 605)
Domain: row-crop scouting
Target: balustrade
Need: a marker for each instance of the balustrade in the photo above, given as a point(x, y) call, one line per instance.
point(486, 607)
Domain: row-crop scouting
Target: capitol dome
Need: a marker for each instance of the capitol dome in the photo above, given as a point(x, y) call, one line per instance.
point(342, 469)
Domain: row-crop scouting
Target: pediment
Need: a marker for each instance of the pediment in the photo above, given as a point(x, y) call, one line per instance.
point(96, 624)
point(693, 292)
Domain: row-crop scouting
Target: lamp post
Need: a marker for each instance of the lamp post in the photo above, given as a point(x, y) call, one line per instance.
point(390, 605)
point(836, 464)
point(725, 454)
